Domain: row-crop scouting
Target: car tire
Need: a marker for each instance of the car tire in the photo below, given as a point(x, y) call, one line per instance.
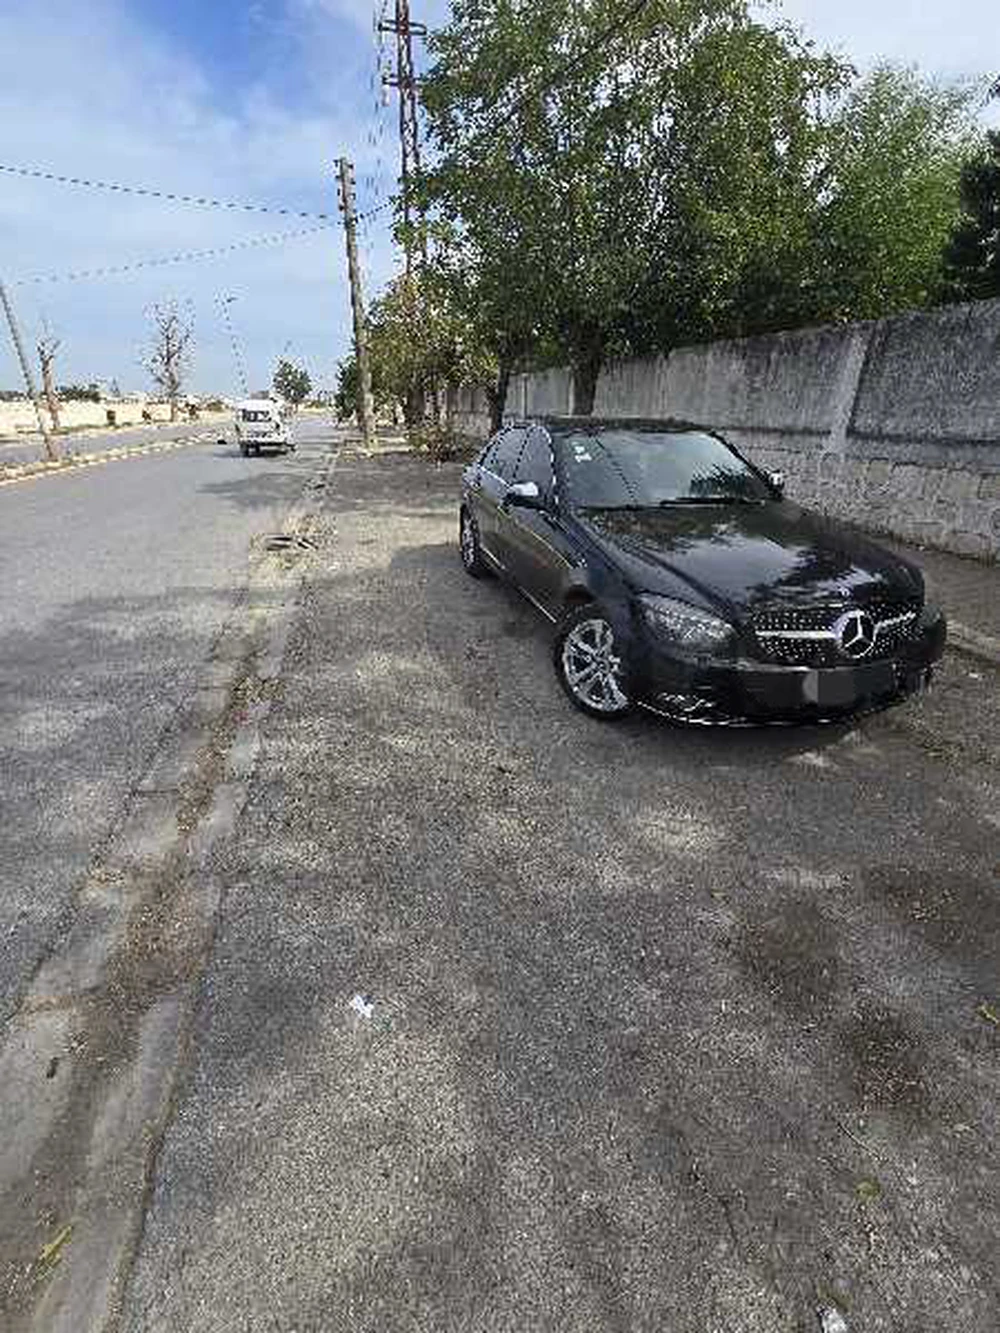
point(590, 666)
point(468, 545)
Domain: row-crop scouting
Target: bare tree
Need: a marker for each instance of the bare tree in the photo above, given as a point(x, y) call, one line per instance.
point(167, 358)
point(47, 346)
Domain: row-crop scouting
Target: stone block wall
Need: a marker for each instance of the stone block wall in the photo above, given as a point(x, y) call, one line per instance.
point(894, 424)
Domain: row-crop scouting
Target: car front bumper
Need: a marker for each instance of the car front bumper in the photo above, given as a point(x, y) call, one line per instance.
point(745, 691)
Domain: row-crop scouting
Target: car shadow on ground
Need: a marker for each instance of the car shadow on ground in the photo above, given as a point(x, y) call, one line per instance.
point(513, 617)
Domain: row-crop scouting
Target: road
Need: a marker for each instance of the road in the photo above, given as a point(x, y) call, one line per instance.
point(117, 580)
point(497, 1018)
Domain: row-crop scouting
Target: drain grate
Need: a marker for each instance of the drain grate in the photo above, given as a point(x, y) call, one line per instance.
point(290, 541)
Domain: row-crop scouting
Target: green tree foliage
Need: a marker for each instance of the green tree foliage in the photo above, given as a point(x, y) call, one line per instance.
point(79, 393)
point(617, 178)
point(420, 342)
point(345, 398)
point(889, 197)
point(292, 382)
point(613, 190)
point(972, 256)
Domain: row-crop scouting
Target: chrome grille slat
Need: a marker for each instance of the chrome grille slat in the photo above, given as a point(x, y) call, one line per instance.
point(804, 635)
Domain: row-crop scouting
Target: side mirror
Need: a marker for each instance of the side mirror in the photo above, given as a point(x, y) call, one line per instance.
point(776, 481)
point(523, 495)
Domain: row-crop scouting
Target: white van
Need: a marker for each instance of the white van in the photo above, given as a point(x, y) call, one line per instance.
point(262, 423)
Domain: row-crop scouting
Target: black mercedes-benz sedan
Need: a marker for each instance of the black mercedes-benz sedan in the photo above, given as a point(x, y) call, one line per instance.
point(680, 578)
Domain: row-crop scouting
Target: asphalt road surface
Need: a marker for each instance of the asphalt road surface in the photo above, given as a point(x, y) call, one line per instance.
point(116, 581)
point(508, 1020)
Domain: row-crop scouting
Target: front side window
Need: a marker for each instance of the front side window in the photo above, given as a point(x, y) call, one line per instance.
point(506, 454)
point(621, 468)
point(536, 463)
point(486, 457)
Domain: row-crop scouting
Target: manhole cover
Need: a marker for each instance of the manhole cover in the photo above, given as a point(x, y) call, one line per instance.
point(289, 541)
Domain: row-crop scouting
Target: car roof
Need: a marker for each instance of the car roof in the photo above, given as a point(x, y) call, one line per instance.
point(591, 425)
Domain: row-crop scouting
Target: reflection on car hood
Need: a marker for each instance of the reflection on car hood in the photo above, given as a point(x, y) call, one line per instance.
point(741, 555)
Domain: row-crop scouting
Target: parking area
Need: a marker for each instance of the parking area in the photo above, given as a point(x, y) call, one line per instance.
point(517, 1020)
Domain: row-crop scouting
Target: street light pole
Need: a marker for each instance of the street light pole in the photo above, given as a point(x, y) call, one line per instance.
point(29, 379)
point(224, 303)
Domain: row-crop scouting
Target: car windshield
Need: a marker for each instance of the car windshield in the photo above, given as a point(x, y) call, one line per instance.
point(252, 414)
point(621, 468)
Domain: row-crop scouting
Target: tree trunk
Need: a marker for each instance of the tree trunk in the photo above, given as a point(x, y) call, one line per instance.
point(173, 409)
point(414, 410)
point(51, 397)
point(586, 369)
point(496, 395)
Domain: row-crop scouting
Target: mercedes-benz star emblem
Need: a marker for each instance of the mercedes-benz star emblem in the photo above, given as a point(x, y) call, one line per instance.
point(855, 633)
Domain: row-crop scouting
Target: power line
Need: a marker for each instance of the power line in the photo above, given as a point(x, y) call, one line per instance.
point(276, 238)
point(35, 173)
point(181, 257)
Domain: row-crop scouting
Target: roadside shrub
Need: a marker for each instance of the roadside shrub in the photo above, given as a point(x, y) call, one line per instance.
point(438, 442)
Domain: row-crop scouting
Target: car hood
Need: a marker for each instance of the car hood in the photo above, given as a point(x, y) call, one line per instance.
point(739, 556)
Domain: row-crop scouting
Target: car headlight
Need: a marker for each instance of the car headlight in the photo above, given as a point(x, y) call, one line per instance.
point(686, 625)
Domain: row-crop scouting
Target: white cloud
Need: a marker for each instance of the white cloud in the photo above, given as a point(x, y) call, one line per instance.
point(955, 40)
point(104, 97)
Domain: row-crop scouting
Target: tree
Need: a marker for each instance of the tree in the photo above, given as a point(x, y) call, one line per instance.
point(602, 163)
point(48, 345)
point(168, 358)
point(292, 382)
point(972, 255)
point(81, 393)
point(889, 196)
point(621, 180)
point(419, 341)
point(345, 398)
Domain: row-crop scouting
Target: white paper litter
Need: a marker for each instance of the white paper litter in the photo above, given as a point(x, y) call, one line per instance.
point(832, 1321)
point(360, 1005)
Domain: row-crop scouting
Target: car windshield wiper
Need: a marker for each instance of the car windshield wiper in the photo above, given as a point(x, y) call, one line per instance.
point(709, 500)
point(607, 509)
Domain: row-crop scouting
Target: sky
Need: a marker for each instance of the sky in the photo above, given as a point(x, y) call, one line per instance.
point(253, 101)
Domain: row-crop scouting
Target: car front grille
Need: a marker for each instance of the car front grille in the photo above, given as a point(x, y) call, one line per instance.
point(804, 635)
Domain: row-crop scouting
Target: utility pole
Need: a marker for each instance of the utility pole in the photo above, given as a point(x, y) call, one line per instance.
point(29, 379)
point(405, 80)
point(366, 411)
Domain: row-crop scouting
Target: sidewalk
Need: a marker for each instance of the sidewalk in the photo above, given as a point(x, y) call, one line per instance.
point(967, 590)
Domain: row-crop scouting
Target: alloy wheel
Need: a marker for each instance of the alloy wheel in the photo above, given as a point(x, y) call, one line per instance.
point(592, 667)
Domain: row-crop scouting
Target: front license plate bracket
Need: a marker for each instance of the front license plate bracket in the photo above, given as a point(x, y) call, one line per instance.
point(848, 685)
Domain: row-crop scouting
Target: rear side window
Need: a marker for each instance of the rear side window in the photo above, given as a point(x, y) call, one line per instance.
point(507, 453)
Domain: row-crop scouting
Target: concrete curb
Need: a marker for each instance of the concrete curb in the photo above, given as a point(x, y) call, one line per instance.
point(973, 644)
point(12, 473)
point(151, 428)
